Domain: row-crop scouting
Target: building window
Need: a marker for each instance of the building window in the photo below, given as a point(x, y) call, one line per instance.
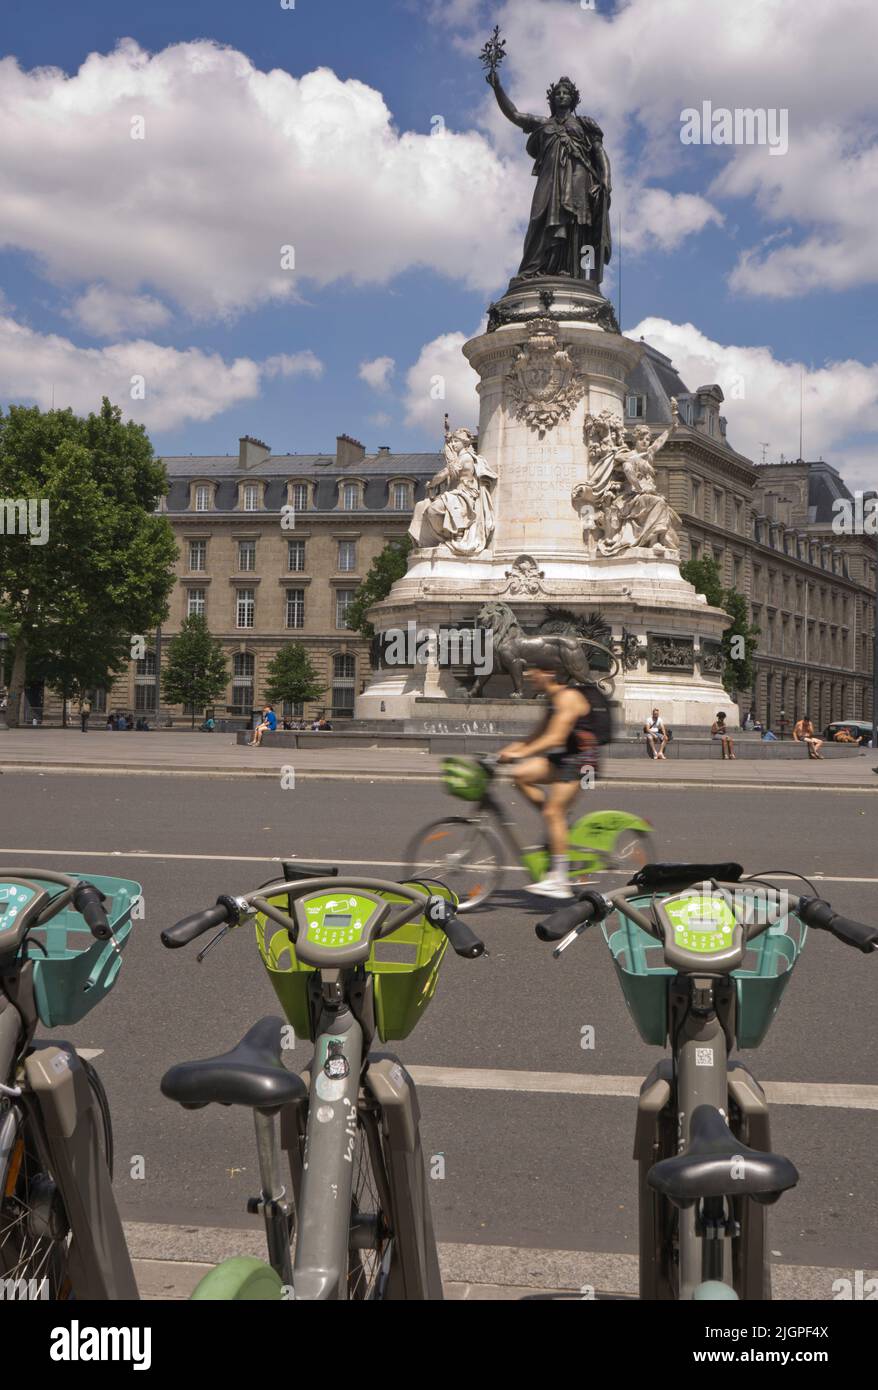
point(696, 496)
point(245, 608)
point(299, 493)
point(292, 709)
point(344, 675)
point(246, 556)
point(243, 668)
point(296, 555)
point(198, 555)
point(343, 600)
point(400, 497)
point(250, 497)
point(635, 407)
point(144, 683)
point(347, 556)
point(202, 498)
point(350, 497)
point(196, 603)
point(295, 607)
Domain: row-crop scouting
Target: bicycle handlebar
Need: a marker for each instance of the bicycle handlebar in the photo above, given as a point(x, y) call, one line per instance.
point(196, 924)
point(594, 907)
point(589, 907)
point(816, 912)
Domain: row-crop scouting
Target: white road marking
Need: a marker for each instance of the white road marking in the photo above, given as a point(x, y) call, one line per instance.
point(835, 1094)
point(318, 858)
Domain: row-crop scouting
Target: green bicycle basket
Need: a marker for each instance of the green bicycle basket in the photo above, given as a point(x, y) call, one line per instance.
point(760, 985)
point(77, 971)
point(405, 966)
point(466, 778)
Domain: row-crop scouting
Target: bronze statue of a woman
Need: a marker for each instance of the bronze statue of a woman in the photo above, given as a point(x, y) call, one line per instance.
point(569, 231)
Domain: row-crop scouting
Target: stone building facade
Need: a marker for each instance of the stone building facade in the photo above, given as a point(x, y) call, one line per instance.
point(273, 547)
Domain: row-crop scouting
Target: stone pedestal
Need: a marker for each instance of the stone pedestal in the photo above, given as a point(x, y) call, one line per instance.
point(548, 361)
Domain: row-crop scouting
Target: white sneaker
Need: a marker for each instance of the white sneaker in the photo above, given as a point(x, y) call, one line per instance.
point(551, 888)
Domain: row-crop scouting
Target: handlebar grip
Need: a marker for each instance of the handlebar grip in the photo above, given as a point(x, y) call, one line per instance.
point(464, 941)
point(814, 912)
point(590, 907)
point(855, 933)
point(182, 932)
point(89, 902)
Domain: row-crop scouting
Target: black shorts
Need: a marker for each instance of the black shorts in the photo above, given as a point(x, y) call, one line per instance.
point(569, 767)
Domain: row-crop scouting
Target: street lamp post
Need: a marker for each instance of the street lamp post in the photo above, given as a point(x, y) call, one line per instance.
point(875, 660)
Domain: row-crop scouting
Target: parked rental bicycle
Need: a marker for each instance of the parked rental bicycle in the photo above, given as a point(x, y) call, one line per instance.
point(469, 852)
point(60, 1231)
point(348, 957)
point(704, 956)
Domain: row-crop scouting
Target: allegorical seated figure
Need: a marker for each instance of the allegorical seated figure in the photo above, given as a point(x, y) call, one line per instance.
point(640, 517)
point(458, 511)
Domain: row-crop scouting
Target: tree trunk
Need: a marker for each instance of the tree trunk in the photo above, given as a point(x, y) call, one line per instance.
point(16, 684)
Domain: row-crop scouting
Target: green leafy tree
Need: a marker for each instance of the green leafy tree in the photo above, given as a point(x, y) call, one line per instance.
point(385, 569)
point(739, 640)
point(94, 564)
point(292, 677)
point(196, 672)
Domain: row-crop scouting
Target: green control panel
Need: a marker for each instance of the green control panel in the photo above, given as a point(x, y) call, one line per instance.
point(701, 922)
point(700, 928)
point(336, 923)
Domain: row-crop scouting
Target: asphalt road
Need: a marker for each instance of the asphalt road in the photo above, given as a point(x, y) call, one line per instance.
point(521, 1169)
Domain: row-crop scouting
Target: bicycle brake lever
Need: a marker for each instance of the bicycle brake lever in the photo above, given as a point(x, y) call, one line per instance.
point(569, 939)
point(223, 931)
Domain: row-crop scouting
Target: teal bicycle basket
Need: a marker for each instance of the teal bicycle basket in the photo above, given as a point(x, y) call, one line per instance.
point(466, 778)
point(77, 972)
point(760, 982)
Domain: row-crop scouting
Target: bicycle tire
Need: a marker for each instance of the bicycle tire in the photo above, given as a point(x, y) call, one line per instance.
point(371, 1239)
point(472, 880)
point(30, 1202)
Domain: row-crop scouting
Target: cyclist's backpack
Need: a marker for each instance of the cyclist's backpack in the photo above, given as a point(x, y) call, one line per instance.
point(600, 718)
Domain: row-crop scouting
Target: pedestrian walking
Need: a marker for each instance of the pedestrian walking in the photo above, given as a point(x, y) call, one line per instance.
point(84, 712)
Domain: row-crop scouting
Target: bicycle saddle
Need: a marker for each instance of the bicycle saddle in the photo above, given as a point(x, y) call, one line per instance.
point(717, 1165)
point(250, 1074)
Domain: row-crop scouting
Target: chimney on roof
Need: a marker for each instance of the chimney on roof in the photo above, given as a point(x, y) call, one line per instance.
point(251, 452)
point(348, 451)
point(384, 448)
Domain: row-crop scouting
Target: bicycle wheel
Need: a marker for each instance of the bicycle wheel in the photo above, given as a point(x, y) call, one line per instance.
point(463, 854)
point(631, 851)
point(371, 1246)
point(34, 1229)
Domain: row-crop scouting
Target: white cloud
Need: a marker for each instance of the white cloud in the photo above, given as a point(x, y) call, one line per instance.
point(377, 372)
point(762, 398)
point(236, 165)
point(380, 418)
point(107, 313)
point(442, 380)
point(178, 386)
point(293, 364)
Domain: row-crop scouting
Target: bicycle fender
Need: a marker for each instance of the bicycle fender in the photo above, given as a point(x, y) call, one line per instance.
point(600, 829)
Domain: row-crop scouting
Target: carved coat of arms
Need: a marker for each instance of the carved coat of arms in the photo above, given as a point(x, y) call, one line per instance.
point(543, 381)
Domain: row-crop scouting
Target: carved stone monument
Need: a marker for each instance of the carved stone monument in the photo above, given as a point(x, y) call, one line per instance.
point(554, 502)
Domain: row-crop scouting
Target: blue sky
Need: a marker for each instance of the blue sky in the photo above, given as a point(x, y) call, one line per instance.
point(157, 257)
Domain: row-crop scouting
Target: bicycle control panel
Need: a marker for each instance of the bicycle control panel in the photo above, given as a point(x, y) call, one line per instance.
point(18, 899)
point(336, 924)
point(700, 926)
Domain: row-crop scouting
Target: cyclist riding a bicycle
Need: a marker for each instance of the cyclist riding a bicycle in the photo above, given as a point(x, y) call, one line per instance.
point(566, 744)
